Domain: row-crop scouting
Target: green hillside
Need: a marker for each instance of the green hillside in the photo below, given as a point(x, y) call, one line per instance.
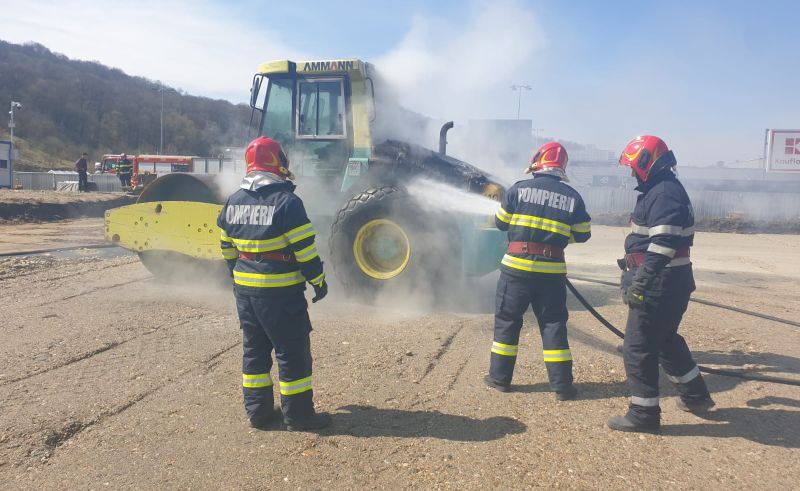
point(73, 106)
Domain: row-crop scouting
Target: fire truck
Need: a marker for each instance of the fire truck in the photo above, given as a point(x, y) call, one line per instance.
point(146, 168)
point(108, 164)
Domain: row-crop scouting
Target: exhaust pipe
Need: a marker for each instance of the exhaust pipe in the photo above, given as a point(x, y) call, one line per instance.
point(443, 137)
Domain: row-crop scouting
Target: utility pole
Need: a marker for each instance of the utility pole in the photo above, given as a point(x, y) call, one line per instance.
point(161, 144)
point(11, 124)
point(520, 88)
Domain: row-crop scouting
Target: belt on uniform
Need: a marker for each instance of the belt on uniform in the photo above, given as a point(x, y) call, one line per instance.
point(267, 256)
point(635, 259)
point(536, 248)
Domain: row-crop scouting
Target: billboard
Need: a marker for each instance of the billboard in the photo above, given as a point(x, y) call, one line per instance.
point(783, 151)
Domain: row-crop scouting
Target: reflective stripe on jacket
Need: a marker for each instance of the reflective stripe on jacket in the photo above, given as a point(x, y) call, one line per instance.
point(270, 218)
point(545, 210)
point(662, 222)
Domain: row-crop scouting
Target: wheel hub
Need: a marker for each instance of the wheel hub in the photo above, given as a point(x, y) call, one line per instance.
point(381, 249)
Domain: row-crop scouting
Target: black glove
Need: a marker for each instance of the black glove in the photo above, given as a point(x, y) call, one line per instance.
point(634, 296)
point(319, 291)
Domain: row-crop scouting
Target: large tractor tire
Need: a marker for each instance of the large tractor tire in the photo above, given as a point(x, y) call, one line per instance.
point(382, 239)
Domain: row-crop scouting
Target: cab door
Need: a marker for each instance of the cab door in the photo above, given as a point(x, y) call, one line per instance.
point(322, 127)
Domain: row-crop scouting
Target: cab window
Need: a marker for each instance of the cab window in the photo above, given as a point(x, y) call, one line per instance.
point(277, 122)
point(321, 109)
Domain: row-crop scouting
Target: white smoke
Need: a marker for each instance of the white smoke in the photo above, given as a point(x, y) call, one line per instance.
point(450, 69)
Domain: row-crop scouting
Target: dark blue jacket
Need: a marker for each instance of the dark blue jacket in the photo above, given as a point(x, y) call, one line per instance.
point(545, 210)
point(662, 222)
point(265, 216)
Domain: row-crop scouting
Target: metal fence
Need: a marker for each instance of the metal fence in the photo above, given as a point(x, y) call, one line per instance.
point(599, 200)
point(47, 181)
point(707, 204)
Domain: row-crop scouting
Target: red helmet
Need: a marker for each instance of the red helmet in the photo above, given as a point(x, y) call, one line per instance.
point(266, 155)
point(551, 158)
point(647, 155)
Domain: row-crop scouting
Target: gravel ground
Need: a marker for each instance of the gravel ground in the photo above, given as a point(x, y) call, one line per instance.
point(19, 206)
point(109, 379)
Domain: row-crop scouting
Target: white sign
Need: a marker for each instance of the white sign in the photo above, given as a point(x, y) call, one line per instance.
point(783, 151)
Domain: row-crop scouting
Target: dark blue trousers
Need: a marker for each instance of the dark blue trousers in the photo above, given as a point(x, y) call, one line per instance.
point(276, 322)
point(547, 295)
point(651, 337)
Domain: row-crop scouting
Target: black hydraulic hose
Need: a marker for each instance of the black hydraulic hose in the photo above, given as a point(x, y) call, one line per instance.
point(709, 303)
point(747, 312)
point(57, 249)
point(715, 371)
point(592, 311)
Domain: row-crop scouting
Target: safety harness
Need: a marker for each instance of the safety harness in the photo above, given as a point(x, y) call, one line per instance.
point(267, 256)
point(536, 248)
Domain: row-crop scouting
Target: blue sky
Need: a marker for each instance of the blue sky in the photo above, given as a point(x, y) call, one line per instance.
point(707, 76)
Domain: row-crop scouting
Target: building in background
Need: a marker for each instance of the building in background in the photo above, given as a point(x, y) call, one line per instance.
point(6, 164)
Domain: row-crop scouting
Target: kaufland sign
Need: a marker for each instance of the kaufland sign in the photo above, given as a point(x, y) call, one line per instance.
point(783, 151)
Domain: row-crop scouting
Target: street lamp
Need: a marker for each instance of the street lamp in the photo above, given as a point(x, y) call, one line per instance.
point(520, 88)
point(161, 88)
point(11, 125)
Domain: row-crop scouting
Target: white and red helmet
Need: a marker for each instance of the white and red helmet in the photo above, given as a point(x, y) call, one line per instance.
point(266, 155)
point(647, 155)
point(551, 158)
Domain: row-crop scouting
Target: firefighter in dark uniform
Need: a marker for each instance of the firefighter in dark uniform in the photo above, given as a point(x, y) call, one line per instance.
point(268, 242)
point(542, 215)
point(657, 284)
point(124, 170)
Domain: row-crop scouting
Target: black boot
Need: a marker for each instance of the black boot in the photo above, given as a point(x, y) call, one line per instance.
point(694, 396)
point(315, 422)
point(622, 423)
point(567, 394)
point(496, 384)
point(695, 406)
point(264, 421)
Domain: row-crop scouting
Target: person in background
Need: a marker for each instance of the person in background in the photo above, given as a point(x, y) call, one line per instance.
point(124, 170)
point(82, 167)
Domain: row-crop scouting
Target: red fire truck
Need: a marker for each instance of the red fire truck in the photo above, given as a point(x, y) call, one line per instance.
point(108, 164)
point(147, 168)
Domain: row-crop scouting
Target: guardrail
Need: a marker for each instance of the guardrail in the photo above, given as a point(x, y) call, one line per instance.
point(706, 204)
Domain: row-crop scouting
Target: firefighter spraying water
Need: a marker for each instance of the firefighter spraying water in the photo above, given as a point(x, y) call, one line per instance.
point(542, 216)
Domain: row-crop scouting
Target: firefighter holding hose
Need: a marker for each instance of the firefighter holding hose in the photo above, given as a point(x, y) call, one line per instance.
point(542, 216)
point(657, 283)
point(268, 242)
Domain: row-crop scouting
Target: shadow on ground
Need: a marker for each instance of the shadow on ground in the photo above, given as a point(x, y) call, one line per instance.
point(369, 421)
point(587, 391)
point(774, 427)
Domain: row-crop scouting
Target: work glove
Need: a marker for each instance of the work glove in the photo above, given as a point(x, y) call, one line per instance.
point(634, 296)
point(320, 291)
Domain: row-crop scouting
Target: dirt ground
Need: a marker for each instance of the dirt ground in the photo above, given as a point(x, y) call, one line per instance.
point(21, 206)
point(109, 379)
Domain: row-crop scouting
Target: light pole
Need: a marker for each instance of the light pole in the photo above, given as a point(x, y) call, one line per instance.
point(11, 124)
point(161, 144)
point(520, 88)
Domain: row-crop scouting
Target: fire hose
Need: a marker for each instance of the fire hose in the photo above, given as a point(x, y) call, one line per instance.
point(714, 371)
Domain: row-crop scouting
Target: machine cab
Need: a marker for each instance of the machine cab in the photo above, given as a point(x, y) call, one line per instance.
point(319, 112)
